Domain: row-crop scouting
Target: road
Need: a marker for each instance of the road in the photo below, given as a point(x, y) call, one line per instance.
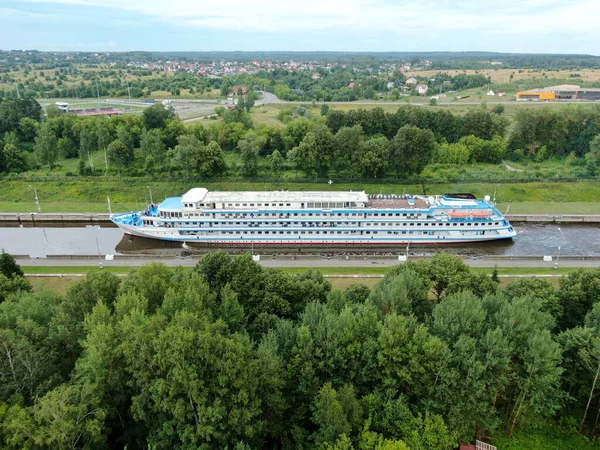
point(310, 263)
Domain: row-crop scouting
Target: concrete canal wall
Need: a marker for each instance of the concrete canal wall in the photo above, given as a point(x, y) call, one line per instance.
point(30, 219)
point(54, 218)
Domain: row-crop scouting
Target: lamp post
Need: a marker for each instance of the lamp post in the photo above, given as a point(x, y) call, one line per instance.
point(98, 246)
point(150, 189)
point(558, 256)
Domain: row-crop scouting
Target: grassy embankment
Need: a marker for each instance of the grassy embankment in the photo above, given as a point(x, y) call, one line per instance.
point(89, 195)
point(369, 276)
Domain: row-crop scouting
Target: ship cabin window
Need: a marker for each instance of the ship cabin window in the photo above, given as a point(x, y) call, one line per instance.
point(245, 204)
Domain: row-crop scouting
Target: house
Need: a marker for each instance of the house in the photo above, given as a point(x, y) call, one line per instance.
point(351, 85)
point(411, 80)
point(316, 76)
point(235, 90)
point(391, 85)
point(494, 92)
point(422, 89)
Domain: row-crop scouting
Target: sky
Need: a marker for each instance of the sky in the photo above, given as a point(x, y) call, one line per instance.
point(515, 26)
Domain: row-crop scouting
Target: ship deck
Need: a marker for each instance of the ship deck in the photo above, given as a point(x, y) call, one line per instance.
point(396, 203)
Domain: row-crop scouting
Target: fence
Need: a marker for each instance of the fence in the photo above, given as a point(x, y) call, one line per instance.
point(483, 446)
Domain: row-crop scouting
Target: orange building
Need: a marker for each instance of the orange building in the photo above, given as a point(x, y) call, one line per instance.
point(536, 95)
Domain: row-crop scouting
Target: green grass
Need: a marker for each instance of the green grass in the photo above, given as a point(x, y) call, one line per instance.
point(126, 194)
point(70, 270)
point(547, 438)
point(359, 271)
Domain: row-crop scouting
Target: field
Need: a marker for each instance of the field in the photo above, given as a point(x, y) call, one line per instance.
point(500, 76)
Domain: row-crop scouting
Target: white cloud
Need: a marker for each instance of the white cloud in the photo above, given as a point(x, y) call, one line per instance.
point(426, 16)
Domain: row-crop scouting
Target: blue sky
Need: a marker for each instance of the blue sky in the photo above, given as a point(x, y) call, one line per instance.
point(541, 26)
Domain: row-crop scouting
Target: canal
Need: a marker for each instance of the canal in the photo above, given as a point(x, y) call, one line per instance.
point(532, 240)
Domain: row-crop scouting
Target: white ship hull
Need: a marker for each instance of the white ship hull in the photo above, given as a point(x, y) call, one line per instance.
point(453, 237)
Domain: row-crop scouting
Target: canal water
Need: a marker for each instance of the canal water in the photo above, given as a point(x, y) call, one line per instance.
point(532, 240)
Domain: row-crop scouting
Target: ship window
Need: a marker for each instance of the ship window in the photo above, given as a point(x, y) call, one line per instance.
point(454, 224)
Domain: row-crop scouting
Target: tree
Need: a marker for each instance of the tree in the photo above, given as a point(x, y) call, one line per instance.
point(28, 128)
point(540, 289)
point(373, 157)
point(14, 160)
point(276, 163)
point(578, 293)
point(152, 146)
point(103, 138)
point(126, 136)
point(411, 150)
point(9, 267)
point(314, 153)
point(45, 145)
point(346, 143)
point(66, 148)
point(156, 116)
point(457, 154)
point(88, 143)
point(119, 155)
point(249, 149)
point(329, 416)
point(12, 110)
point(211, 160)
point(324, 109)
point(405, 292)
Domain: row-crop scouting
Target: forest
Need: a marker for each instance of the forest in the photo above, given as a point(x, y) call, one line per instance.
point(361, 144)
point(234, 355)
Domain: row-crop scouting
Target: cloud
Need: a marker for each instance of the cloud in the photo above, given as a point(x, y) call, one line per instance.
point(281, 16)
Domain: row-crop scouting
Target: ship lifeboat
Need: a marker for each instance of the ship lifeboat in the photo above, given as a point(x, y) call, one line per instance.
point(458, 214)
point(481, 214)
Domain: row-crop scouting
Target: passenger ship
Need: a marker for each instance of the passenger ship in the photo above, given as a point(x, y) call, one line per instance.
point(317, 219)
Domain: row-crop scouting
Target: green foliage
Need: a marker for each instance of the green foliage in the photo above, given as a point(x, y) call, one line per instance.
point(45, 145)
point(457, 154)
point(234, 355)
point(411, 150)
point(8, 266)
point(156, 116)
point(579, 291)
point(119, 154)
